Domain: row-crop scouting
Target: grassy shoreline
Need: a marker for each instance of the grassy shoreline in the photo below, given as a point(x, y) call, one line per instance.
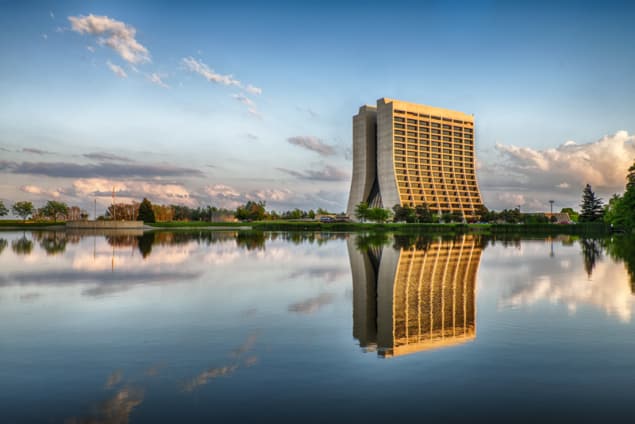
point(579, 229)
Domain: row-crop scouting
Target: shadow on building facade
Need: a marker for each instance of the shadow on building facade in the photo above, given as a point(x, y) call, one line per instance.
point(415, 298)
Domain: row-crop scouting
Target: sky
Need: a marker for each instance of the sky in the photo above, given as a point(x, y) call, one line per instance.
point(201, 103)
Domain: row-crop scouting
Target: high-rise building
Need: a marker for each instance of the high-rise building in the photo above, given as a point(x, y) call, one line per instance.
point(410, 154)
point(414, 297)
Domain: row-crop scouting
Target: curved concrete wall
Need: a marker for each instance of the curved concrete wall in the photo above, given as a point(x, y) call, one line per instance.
point(364, 157)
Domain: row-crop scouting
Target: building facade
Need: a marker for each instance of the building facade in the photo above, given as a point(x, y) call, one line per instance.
point(410, 154)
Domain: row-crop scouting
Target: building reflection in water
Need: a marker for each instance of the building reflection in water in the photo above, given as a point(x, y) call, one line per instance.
point(413, 298)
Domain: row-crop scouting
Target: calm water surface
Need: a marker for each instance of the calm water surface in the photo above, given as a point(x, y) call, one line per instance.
point(175, 327)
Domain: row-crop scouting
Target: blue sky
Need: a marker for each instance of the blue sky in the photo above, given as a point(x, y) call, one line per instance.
point(223, 103)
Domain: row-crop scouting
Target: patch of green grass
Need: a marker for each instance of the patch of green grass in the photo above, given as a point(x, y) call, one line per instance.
point(27, 224)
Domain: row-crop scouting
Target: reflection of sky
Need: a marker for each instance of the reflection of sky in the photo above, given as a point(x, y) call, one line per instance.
point(220, 332)
point(531, 278)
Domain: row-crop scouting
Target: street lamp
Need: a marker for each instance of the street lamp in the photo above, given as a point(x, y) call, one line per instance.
point(551, 206)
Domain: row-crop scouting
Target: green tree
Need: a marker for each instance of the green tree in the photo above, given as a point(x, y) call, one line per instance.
point(591, 209)
point(379, 215)
point(54, 209)
point(572, 214)
point(251, 211)
point(625, 208)
point(23, 209)
point(146, 214)
point(361, 211)
point(403, 213)
point(3, 209)
point(423, 214)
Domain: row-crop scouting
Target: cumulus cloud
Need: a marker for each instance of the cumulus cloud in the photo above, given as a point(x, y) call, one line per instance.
point(229, 197)
point(155, 78)
point(603, 163)
point(103, 156)
point(329, 173)
point(40, 191)
point(108, 170)
point(209, 74)
point(312, 143)
point(112, 33)
point(132, 190)
point(558, 173)
point(117, 70)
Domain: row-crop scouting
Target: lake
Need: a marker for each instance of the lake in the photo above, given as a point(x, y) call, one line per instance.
point(199, 326)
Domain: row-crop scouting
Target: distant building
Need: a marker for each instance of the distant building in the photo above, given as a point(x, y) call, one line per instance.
point(561, 218)
point(415, 298)
point(410, 154)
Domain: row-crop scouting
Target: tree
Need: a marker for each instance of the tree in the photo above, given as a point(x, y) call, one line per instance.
point(3, 209)
point(591, 209)
point(423, 214)
point(403, 213)
point(23, 209)
point(146, 214)
point(251, 211)
point(379, 215)
point(573, 215)
point(54, 209)
point(361, 211)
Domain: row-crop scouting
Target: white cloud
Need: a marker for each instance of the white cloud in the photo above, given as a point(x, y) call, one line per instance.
point(133, 191)
point(244, 99)
point(90, 49)
point(156, 79)
point(202, 69)
point(557, 173)
point(40, 191)
point(253, 90)
point(603, 163)
point(197, 66)
point(117, 35)
point(117, 70)
point(276, 195)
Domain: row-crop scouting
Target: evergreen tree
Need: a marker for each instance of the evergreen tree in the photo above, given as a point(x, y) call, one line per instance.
point(146, 214)
point(591, 208)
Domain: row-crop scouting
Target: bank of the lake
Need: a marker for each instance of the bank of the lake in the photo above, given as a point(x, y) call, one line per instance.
point(291, 225)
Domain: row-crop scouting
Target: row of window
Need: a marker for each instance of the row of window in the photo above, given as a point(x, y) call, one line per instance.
point(435, 130)
point(435, 151)
point(428, 117)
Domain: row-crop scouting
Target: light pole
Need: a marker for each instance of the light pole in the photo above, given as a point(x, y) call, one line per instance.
point(551, 206)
